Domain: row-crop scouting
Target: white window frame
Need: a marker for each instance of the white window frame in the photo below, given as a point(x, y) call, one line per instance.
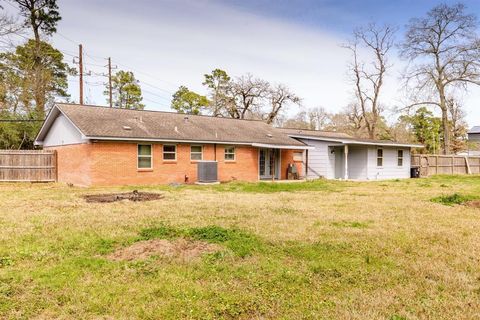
point(145, 156)
point(234, 153)
point(382, 157)
point(402, 157)
point(169, 152)
point(201, 152)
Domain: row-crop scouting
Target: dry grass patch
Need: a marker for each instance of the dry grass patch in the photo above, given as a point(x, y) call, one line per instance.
point(182, 249)
point(319, 250)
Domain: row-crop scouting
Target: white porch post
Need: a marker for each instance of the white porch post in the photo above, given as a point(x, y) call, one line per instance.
point(346, 162)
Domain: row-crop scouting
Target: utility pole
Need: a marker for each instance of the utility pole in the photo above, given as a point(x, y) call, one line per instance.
point(110, 81)
point(80, 66)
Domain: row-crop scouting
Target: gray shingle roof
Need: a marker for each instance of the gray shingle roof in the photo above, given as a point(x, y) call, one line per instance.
point(316, 133)
point(343, 137)
point(474, 129)
point(103, 122)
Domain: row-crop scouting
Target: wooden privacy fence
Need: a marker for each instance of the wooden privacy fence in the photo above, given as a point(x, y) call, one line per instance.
point(431, 164)
point(28, 165)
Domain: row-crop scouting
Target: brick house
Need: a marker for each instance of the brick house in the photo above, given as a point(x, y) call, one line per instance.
point(110, 146)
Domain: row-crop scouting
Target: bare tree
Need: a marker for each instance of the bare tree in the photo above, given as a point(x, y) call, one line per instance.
point(280, 96)
point(369, 78)
point(458, 126)
point(318, 118)
point(444, 54)
point(248, 93)
point(8, 27)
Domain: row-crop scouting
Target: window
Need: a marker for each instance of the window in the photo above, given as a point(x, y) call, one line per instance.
point(379, 157)
point(400, 158)
point(297, 156)
point(229, 153)
point(144, 156)
point(169, 152)
point(196, 152)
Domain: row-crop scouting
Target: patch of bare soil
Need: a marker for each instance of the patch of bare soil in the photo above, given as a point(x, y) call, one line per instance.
point(473, 203)
point(132, 196)
point(180, 248)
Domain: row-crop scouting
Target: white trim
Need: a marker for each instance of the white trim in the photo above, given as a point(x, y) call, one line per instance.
point(274, 146)
point(144, 156)
point(201, 152)
point(234, 153)
point(403, 158)
point(169, 152)
point(344, 141)
point(377, 157)
point(48, 122)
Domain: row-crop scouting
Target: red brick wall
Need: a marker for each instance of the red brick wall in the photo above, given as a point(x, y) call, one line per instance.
point(286, 159)
point(73, 163)
point(115, 163)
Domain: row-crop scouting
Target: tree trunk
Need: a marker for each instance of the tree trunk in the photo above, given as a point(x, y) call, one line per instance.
point(445, 125)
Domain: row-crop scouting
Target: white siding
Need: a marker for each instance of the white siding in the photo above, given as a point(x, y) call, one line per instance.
point(357, 162)
point(62, 132)
point(390, 168)
point(321, 163)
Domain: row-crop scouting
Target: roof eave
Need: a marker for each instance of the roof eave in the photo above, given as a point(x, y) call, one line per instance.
point(344, 141)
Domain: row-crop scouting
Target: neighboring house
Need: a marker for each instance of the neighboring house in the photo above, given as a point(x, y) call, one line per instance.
point(341, 156)
point(473, 143)
point(474, 134)
point(110, 146)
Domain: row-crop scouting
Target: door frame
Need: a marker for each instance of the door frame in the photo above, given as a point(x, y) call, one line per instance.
point(277, 162)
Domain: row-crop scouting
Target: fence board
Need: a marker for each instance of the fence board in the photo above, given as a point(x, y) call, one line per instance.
point(432, 164)
point(28, 165)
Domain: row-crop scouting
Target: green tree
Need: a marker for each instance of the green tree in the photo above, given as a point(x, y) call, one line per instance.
point(42, 17)
point(426, 128)
point(189, 102)
point(126, 91)
point(219, 84)
point(20, 79)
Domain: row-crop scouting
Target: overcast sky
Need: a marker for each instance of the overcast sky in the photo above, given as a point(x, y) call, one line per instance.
point(172, 43)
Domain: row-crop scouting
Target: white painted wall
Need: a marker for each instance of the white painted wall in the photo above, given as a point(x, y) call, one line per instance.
point(362, 162)
point(390, 168)
point(357, 162)
point(62, 132)
point(321, 163)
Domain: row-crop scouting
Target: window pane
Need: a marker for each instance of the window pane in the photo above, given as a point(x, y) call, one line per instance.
point(400, 153)
point(169, 148)
point(379, 152)
point(379, 162)
point(196, 148)
point(229, 156)
point(196, 156)
point(168, 156)
point(400, 162)
point(145, 162)
point(144, 150)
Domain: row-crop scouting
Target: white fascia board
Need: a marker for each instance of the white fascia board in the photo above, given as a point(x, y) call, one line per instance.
point(52, 115)
point(275, 146)
point(406, 145)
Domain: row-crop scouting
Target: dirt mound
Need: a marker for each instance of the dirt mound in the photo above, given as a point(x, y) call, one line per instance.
point(473, 203)
point(179, 248)
point(132, 196)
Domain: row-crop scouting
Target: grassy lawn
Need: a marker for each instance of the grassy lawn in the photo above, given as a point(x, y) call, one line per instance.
point(325, 249)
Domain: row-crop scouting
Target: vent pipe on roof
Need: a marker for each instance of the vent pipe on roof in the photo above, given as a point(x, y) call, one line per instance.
point(127, 128)
point(176, 129)
point(185, 119)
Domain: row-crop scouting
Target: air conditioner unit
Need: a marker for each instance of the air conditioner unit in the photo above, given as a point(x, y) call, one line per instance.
point(207, 171)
